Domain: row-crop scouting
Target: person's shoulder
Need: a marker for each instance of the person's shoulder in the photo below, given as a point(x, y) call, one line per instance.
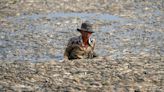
point(92, 42)
point(74, 40)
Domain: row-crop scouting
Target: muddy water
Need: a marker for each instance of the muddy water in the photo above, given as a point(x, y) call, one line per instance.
point(43, 37)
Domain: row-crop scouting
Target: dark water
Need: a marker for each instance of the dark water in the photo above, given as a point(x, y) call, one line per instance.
point(43, 37)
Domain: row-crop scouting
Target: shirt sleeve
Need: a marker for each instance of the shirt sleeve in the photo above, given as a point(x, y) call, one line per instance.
point(68, 49)
point(71, 44)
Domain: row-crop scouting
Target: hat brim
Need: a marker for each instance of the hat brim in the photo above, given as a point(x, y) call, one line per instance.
point(84, 30)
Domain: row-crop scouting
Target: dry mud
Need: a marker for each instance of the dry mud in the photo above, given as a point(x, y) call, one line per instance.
point(130, 44)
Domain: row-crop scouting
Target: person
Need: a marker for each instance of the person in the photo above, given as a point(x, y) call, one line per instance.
point(81, 47)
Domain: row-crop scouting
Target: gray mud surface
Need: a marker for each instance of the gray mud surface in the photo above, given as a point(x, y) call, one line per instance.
point(130, 43)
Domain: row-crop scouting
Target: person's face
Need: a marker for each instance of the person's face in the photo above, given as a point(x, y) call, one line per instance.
point(86, 34)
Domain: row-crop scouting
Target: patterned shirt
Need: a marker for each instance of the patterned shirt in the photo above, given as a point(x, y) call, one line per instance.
point(76, 49)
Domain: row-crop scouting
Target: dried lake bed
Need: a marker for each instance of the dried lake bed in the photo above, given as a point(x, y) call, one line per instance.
point(131, 50)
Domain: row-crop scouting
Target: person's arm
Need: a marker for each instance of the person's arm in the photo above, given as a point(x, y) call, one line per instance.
point(67, 52)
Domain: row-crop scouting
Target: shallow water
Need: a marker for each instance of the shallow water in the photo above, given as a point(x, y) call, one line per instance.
point(52, 16)
point(43, 37)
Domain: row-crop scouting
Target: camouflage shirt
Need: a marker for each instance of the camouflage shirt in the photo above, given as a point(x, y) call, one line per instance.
point(76, 49)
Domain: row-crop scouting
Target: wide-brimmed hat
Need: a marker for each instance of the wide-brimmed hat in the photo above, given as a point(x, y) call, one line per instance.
point(86, 26)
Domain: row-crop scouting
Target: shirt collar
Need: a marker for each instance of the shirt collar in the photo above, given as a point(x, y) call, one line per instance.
point(81, 40)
